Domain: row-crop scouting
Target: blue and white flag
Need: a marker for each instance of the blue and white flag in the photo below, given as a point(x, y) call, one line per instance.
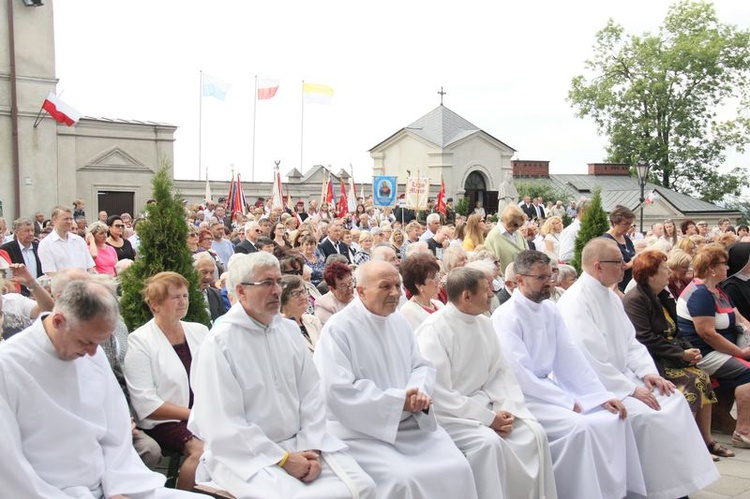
point(213, 87)
point(384, 191)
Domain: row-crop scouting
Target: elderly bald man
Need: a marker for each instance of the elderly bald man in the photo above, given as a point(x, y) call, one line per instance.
point(378, 389)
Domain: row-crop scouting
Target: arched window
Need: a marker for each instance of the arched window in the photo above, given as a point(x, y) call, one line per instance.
point(475, 182)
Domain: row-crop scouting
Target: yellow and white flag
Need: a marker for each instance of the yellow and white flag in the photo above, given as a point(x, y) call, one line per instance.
point(316, 93)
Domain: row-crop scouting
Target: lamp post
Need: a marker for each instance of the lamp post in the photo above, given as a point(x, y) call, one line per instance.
point(642, 171)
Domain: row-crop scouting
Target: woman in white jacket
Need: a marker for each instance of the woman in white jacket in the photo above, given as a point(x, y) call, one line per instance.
point(157, 370)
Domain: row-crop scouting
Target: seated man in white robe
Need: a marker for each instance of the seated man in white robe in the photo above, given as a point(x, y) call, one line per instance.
point(477, 398)
point(378, 395)
point(663, 426)
point(258, 405)
point(64, 422)
point(592, 446)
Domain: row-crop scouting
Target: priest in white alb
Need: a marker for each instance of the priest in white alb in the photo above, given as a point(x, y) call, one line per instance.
point(477, 398)
point(258, 405)
point(674, 459)
point(64, 424)
point(378, 389)
point(593, 449)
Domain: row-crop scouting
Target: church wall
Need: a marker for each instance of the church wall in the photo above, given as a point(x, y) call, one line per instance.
point(478, 154)
point(408, 153)
point(35, 70)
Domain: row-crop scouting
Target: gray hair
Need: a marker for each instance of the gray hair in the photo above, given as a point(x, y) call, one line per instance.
point(98, 227)
point(336, 257)
point(242, 267)
point(21, 222)
point(203, 256)
point(566, 271)
point(463, 279)
point(83, 301)
point(526, 259)
point(432, 217)
point(485, 266)
point(61, 279)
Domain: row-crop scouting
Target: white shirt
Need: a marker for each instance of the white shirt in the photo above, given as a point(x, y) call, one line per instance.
point(57, 253)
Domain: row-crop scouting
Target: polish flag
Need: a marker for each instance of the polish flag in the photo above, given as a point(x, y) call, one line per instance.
point(59, 110)
point(267, 88)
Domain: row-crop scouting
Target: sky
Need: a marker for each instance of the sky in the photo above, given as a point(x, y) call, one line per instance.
point(506, 67)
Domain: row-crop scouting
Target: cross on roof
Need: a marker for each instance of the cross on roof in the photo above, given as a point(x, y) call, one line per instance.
point(441, 93)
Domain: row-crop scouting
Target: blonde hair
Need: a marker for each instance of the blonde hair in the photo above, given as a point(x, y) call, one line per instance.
point(549, 225)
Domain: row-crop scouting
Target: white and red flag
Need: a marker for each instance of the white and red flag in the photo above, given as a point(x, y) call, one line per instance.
point(60, 111)
point(276, 195)
point(267, 88)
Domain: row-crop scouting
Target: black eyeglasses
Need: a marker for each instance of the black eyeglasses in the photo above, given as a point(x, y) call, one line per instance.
point(119, 226)
point(618, 262)
point(543, 278)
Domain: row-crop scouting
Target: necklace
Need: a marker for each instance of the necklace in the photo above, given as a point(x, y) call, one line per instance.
point(429, 306)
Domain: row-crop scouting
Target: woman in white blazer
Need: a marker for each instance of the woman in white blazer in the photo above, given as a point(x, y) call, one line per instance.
point(157, 370)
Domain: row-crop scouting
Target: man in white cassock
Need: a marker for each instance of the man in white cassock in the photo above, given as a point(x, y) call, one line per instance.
point(64, 423)
point(477, 398)
point(378, 390)
point(257, 401)
point(673, 457)
point(593, 450)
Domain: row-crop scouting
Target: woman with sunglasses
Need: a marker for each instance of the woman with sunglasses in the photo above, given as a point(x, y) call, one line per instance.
point(294, 301)
point(122, 246)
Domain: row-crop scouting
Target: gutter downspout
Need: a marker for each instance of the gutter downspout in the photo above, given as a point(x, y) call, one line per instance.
point(16, 169)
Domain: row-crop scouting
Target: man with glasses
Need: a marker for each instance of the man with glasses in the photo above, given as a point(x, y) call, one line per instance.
point(205, 265)
point(660, 417)
point(252, 234)
point(258, 404)
point(591, 444)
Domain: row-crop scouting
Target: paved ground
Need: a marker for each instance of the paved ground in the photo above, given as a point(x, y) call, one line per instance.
point(735, 474)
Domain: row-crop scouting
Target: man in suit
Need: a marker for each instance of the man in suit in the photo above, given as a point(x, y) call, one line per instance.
point(38, 221)
point(510, 284)
point(206, 267)
point(333, 243)
point(528, 208)
point(252, 233)
point(23, 249)
point(538, 206)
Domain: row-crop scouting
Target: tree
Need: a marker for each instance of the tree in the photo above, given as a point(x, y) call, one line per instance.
point(163, 247)
point(676, 100)
point(594, 223)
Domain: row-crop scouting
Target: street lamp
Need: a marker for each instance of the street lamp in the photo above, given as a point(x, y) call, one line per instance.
point(642, 171)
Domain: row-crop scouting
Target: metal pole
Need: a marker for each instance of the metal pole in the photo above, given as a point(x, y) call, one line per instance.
point(15, 148)
point(642, 181)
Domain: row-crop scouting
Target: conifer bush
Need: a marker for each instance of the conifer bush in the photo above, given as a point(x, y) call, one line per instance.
point(163, 247)
point(594, 223)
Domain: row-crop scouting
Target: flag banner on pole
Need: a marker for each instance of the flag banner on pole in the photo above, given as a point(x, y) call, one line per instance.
point(213, 87)
point(384, 191)
point(324, 190)
point(60, 111)
point(343, 204)
point(315, 93)
point(267, 88)
point(276, 196)
point(417, 190)
point(208, 190)
point(330, 195)
point(236, 203)
point(440, 201)
point(352, 198)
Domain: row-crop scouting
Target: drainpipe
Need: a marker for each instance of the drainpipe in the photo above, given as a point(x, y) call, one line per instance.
point(16, 169)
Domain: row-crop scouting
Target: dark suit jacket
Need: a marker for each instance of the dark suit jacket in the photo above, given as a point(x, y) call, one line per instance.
point(502, 296)
point(14, 250)
point(215, 303)
point(529, 210)
point(245, 247)
point(326, 247)
point(645, 312)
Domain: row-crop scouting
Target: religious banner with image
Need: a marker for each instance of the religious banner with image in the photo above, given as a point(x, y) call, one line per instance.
point(384, 190)
point(417, 191)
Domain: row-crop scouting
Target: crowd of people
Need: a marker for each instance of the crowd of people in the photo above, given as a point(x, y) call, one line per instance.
point(382, 353)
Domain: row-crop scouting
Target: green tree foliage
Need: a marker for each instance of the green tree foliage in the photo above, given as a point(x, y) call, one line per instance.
point(462, 207)
point(594, 223)
point(675, 100)
point(163, 247)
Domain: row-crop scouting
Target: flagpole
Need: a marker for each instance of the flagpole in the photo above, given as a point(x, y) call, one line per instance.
point(255, 109)
point(302, 128)
point(200, 123)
